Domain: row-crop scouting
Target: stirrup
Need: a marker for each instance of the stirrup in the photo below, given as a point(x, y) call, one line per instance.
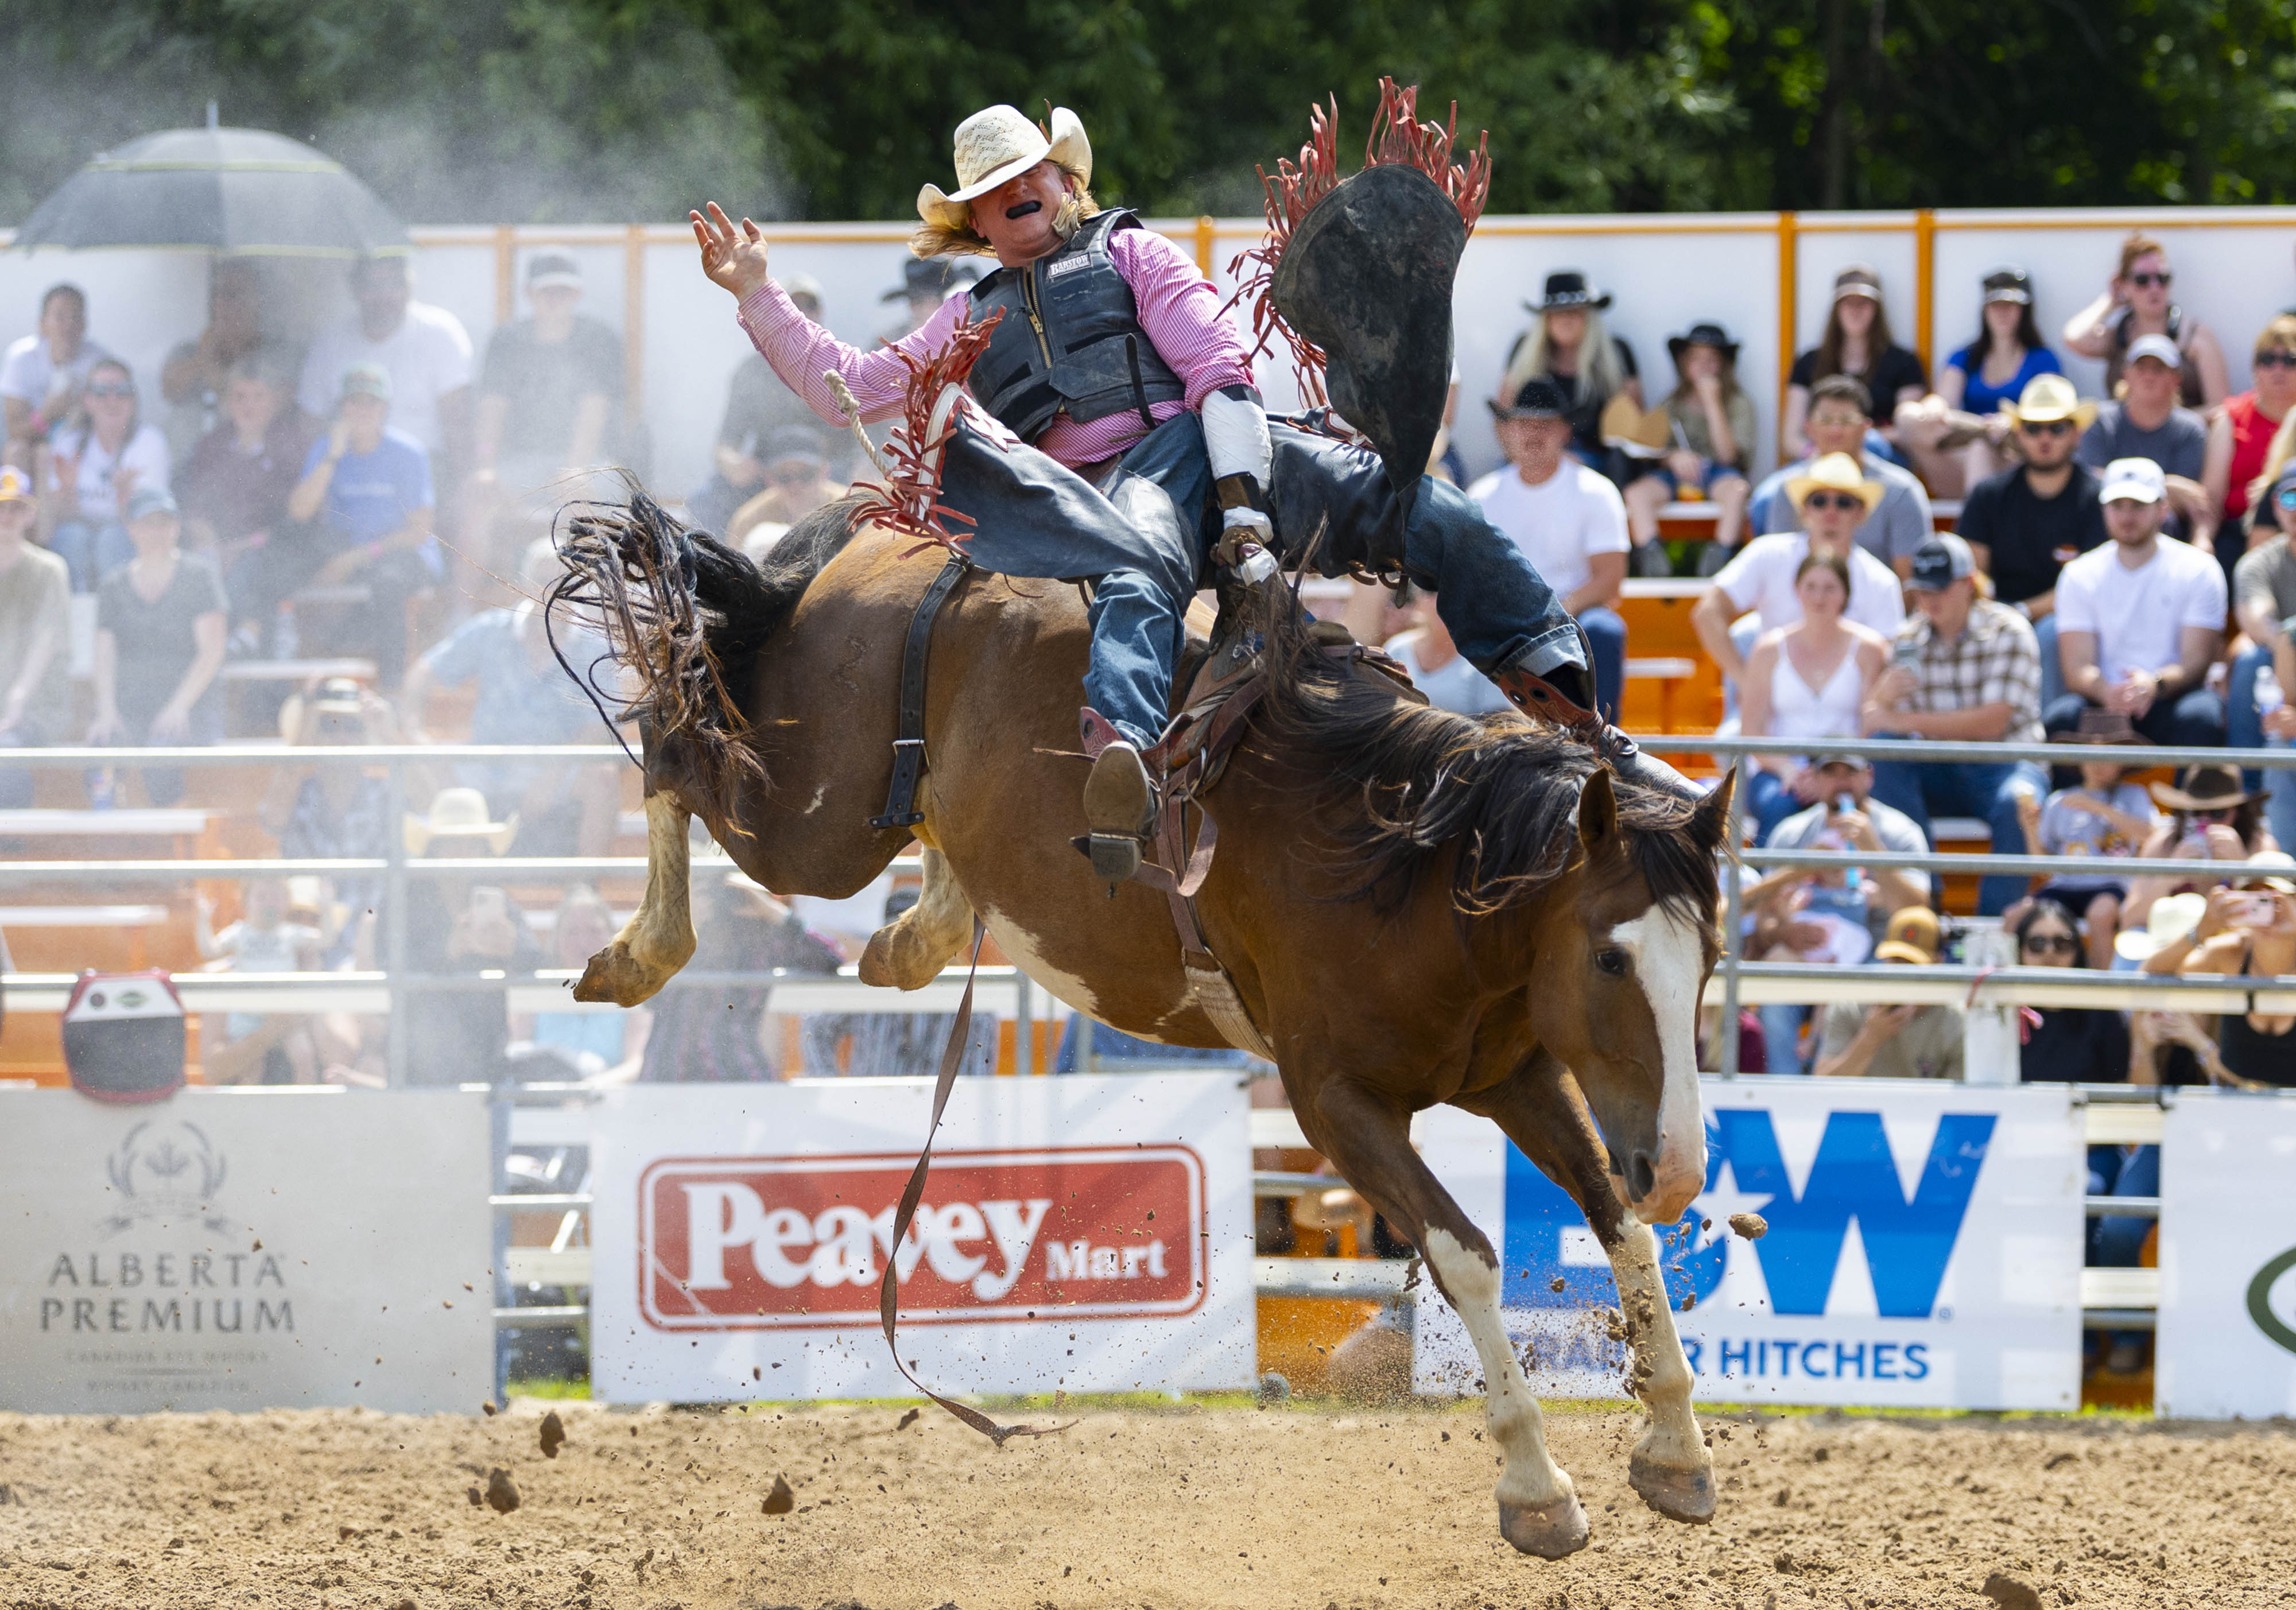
point(1119, 803)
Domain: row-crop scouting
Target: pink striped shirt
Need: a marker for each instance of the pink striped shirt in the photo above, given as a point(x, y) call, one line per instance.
point(1179, 312)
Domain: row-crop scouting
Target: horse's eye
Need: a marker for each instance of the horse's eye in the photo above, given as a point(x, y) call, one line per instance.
point(1612, 961)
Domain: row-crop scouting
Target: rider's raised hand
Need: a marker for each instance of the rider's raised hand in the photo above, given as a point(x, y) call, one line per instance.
point(732, 255)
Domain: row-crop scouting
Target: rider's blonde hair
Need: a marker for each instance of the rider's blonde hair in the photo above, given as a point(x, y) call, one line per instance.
point(939, 240)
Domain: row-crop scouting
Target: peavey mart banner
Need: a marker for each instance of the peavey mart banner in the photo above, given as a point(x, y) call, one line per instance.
point(1091, 1233)
point(2227, 1340)
point(248, 1248)
point(1924, 1249)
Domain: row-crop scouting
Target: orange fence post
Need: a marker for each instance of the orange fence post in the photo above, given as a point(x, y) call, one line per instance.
point(1789, 275)
point(1204, 235)
point(1924, 282)
point(505, 272)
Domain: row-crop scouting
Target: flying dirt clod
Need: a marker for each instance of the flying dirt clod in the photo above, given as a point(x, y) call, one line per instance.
point(782, 1499)
point(502, 1492)
point(553, 1434)
point(1753, 1227)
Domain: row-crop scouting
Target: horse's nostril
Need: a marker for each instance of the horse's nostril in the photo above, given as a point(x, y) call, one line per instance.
point(1641, 1178)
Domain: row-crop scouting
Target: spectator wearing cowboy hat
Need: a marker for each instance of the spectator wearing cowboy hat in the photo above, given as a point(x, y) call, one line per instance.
point(1571, 349)
point(1965, 669)
point(2106, 816)
point(926, 282)
point(2212, 817)
point(1857, 343)
point(35, 624)
point(457, 924)
point(1568, 520)
point(2141, 621)
point(1840, 420)
point(797, 482)
point(1903, 1041)
point(1711, 421)
point(2026, 524)
point(2246, 929)
point(1834, 498)
point(1956, 435)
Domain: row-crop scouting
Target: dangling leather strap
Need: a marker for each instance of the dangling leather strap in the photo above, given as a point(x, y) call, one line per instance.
point(889, 1289)
point(909, 746)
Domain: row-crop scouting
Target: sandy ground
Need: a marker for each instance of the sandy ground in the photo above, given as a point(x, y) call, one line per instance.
point(1160, 1509)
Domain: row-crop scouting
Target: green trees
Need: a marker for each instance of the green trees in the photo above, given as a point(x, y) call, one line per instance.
point(483, 111)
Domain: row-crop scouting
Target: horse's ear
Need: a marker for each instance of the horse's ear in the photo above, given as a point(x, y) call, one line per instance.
point(1598, 812)
point(1709, 823)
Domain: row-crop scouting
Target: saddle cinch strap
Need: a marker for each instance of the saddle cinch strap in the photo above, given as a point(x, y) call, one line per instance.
point(909, 739)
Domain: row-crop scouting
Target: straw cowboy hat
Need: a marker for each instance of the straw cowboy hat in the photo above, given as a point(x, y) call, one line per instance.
point(995, 145)
point(458, 813)
point(2174, 917)
point(2204, 788)
point(1836, 472)
point(2101, 726)
point(2270, 869)
point(2048, 398)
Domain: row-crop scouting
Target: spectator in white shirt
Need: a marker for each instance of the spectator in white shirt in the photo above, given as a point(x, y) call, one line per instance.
point(2141, 621)
point(1437, 668)
point(424, 349)
point(40, 379)
point(1840, 418)
point(1834, 497)
point(1570, 521)
point(90, 469)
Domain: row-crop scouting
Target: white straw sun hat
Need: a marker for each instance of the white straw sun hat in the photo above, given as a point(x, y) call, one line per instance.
point(995, 144)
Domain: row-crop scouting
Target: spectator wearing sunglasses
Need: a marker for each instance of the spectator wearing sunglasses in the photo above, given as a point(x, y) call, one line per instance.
point(1840, 415)
point(2248, 441)
point(2141, 621)
point(2258, 714)
point(92, 468)
point(2137, 303)
point(2026, 524)
point(2069, 1045)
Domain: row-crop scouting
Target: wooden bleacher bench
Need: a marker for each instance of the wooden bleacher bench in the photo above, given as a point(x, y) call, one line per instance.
point(135, 920)
point(1669, 671)
point(185, 824)
point(294, 671)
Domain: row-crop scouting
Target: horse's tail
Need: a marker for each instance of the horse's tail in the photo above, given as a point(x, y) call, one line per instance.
point(684, 615)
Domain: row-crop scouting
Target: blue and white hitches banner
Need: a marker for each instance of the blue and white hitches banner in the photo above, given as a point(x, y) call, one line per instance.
point(2227, 1341)
point(245, 1248)
point(1091, 1234)
point(1924, 1250)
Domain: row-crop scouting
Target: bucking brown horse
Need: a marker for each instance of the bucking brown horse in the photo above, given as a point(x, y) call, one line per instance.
point(1415, 908)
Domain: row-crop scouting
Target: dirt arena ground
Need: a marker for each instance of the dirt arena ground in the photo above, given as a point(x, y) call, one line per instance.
point(1160, 1510)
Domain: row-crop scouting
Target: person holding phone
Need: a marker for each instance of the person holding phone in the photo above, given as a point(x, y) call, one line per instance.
point(461, 925)
point(1963, 669)
point(2248, 931)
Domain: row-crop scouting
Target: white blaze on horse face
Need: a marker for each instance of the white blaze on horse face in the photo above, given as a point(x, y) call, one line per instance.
point(1471, 1285)
point(1670, 964)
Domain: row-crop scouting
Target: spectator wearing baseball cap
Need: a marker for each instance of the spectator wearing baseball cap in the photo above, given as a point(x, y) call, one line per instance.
point(1963, 669)
point(1841, 420)
point(366, 497)
point(550, 405)
point(2145, 420)
point(796, 460)
point(2141, 621)
point(1902, 1042)
point(35, 624)
point(756, 406)
point(1857, 342)
point(2137, 303)
point(160, 623)
point(1568, 520)
point(423, 348)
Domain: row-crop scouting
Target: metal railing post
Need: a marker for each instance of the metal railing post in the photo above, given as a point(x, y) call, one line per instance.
point(394, 919)
point(1732, 951)
point(1024, 1026)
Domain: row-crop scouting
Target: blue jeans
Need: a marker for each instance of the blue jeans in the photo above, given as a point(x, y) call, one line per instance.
point(1966, 788)
point(1782, 1038)
point(2052, 669)
point(1768, 801)
point(1606, 636)
point(1499, 609)
point(2196, 719)
point(2244, 725)
point(2120, 1171)
point(91, 552)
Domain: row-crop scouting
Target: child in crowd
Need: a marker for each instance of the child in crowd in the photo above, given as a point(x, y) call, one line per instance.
point(257, 1048)
point(2106, 816)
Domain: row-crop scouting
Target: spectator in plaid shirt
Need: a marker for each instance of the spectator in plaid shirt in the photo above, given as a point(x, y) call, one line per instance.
point(1963, 669)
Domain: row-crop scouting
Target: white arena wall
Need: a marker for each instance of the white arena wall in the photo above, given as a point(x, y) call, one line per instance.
point(2233, 270)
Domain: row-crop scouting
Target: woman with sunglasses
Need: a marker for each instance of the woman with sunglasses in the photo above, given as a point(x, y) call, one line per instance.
point(89, 469)
point(2069, 1044)
point(2249, 441)
point(2137, 302)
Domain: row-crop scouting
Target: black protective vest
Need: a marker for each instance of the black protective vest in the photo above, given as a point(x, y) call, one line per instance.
point(1070, 340)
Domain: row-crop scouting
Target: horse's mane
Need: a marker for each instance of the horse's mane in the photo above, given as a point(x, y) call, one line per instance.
point(686, 616)
point(1413, 780)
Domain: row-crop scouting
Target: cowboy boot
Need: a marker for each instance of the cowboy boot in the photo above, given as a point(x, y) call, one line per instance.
point(1119, 802)
point(1564, 695)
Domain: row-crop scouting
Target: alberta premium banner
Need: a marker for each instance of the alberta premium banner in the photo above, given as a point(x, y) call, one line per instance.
point(1087, 1233)
point(245, 1249)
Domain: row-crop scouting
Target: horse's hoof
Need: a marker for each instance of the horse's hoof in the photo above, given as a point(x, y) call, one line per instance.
point(1550, 1530)
point(613, 974)
point(1679, 1495)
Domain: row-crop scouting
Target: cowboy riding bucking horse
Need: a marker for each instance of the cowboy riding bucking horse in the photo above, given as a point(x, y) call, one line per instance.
point(1112, 425)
